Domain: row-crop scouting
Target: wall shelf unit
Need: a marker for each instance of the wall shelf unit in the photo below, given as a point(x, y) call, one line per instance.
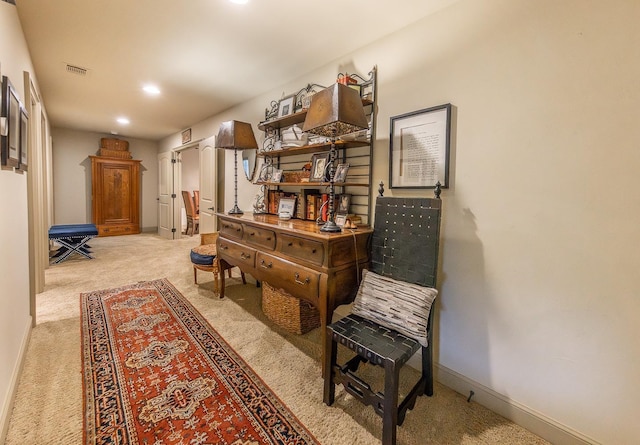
point(356, 150)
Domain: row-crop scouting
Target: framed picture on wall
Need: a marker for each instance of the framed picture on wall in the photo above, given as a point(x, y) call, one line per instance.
point(24, 139)
point(419, 148)
point(10, 148)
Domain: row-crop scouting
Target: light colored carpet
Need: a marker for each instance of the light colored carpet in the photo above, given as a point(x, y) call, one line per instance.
point(48, 406)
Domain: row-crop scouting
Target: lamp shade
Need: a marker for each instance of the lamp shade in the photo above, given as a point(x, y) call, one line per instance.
point(236, 135)
point(335, 111)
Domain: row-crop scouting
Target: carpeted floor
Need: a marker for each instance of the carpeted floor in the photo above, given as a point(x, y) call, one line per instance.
point(48, 406)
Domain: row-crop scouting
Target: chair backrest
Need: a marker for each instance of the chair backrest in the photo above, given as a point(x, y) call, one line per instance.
point(196, 200)
point(189, 206)
point(405, 239)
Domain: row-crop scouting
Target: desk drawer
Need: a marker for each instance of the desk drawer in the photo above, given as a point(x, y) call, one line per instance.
point(299, 281)
point(305, 249)
point(260, 237)
point(236, 254)
point(231, 228)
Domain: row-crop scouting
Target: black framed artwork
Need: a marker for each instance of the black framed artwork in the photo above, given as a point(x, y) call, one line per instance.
point(10, 144)
point(419, 148)
point(24, 139)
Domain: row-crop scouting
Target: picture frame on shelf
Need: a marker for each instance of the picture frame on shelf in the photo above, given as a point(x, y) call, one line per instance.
point(344, 201)
point(10, 144)
point(287, 205)
point(319, 164)
point(286, 104)
point(276, 175)
point(24, 139)
point(419, 148)
point(341, 173)
point(341, 219)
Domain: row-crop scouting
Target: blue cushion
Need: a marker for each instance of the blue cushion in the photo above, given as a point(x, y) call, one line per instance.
point(72, 231)
point(203, 255)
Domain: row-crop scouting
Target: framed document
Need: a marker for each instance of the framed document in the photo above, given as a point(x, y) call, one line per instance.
point(419, 148)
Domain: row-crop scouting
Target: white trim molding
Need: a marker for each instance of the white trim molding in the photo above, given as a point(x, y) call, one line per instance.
point(519, 414)
point(7, 406)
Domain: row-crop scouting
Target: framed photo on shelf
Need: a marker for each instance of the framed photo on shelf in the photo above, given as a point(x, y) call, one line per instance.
point(277, 175)
point(341, 173)
point(285, 106)
point(344, 201)
point(287, 205)
point(10, 145)
point(24, 139)
point(319, 164)
point(419, 148)
point(341, 219)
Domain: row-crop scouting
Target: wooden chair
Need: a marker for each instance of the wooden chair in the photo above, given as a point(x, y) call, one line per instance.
point(193, 219)
point(405, 247)
point(196, 201)
point(204, 257)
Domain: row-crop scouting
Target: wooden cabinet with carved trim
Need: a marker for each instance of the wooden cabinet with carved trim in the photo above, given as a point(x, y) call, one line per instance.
point(115, 195)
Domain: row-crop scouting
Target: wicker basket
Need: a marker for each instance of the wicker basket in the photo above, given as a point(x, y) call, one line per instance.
point(115, 153)
point(114, 144)
point(290, 313)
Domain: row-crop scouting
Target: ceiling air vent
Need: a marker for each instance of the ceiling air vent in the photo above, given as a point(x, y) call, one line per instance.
point(73, 69)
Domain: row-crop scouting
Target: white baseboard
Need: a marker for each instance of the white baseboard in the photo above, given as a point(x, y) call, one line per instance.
point(519, 414)
point(7, 404)
point(533, 421)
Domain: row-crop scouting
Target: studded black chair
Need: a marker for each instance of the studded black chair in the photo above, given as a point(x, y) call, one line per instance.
point(404, 248)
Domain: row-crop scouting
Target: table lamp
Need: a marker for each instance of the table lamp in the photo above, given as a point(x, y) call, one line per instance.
point(334, 111)
point(234, 135)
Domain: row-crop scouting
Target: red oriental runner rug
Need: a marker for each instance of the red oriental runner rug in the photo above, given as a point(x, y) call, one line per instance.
point(156, 373)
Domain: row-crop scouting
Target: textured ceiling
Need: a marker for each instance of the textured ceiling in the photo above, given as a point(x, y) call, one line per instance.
point(205, 55)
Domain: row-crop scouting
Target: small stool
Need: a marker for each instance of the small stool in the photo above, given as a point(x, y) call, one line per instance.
point(73, 238)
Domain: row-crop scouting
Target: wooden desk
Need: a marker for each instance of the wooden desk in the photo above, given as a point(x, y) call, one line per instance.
point(321, 268)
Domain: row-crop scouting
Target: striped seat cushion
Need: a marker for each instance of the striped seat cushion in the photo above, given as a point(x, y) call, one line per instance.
point(397, 305)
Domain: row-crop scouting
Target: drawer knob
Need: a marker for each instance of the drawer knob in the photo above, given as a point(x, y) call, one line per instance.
point(244, 256)
point(265, 265)
point(303, 283)
point(224, 246)
point(252, 234)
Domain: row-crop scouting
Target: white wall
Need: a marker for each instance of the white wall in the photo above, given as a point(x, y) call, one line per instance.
point(72, 176)
point(540, 231)
point(15, 320)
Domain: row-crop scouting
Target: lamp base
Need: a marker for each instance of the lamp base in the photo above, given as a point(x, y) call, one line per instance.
point(235, 210)
point(330, 226)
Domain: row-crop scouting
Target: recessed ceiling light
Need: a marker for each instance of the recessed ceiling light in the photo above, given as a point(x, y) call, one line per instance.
point(123, 120)
point(151, 90)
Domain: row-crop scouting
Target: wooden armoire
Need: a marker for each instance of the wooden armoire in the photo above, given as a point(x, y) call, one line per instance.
point(115, 195)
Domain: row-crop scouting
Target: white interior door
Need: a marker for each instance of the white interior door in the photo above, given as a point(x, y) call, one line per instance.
point(166, 196)
point(208, 186)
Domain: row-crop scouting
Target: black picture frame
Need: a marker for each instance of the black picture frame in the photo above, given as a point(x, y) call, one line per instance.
point(419, 147)
point(319, 164)
point(10, 143)
point(24, 140)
